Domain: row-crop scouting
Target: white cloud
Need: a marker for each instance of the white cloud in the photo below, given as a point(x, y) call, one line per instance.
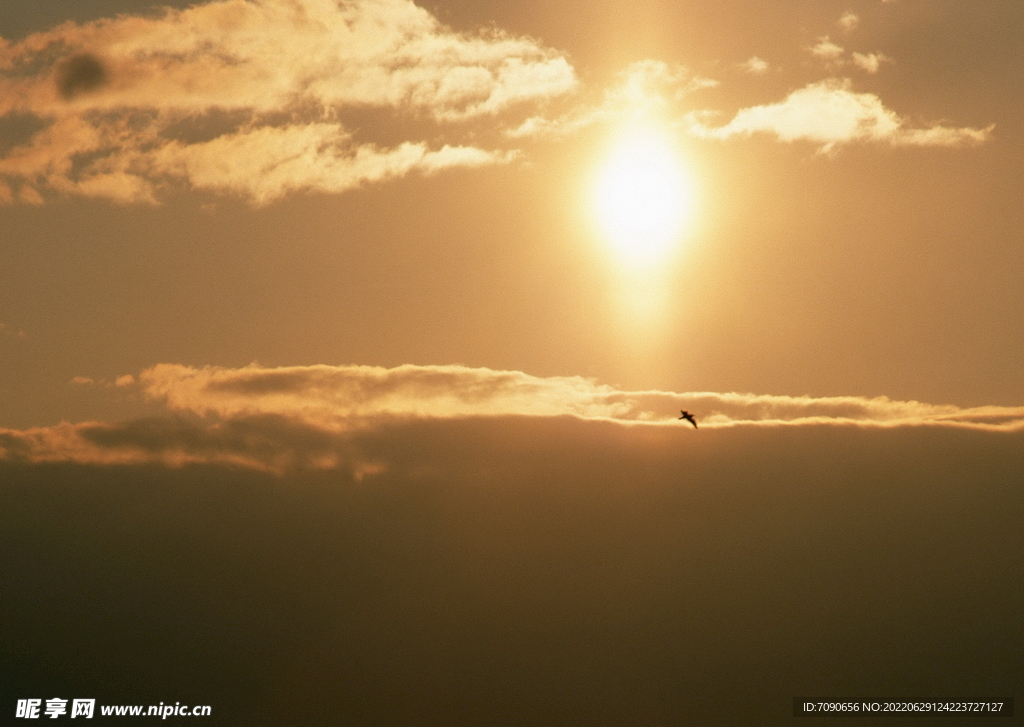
point(849, 21)
point(651, 83)
point(755, 65)
point(641, 88)
point(268, 54)
point(119, 95)
point(829, 113)
point(826, 49)
point(870, 62)
point(268, 162)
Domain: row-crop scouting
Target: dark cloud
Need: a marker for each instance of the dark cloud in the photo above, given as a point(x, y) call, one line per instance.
point(80, 74)
point(256, 441)
point(527, 571)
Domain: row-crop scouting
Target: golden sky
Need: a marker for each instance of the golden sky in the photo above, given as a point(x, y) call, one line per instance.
point(379, 183)
point(383, 256)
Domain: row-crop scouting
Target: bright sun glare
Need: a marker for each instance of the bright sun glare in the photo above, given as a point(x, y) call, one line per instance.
point(643, 197)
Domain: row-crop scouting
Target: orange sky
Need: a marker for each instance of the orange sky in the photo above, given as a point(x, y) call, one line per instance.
point(856, 172)
point(342, 345)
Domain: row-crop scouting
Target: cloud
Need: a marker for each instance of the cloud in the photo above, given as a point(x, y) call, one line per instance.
point(643, 87)
point(263, 443)
point(870, 62)
point(267, 162)
point(343, 397)
point(652, 83)
point(849, 21)
point(120, 381)
point(830, 113)
point(826, 49)
point(125, 101)
point(832, 53)
point(25, 194)
point(346, 396)
point(264, 98)
point(755, 65)
point(276, 419)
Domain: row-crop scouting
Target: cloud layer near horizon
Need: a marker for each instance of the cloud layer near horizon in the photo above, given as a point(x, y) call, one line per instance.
point(312, 416)
point(116, 97)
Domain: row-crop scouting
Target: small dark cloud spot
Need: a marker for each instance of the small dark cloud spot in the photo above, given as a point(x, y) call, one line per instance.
point(80, 74)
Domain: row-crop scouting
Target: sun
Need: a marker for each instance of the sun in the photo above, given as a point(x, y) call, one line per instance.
point(643, 197)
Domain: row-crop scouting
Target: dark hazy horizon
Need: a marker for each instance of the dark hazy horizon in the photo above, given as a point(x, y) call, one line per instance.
point(562, 572)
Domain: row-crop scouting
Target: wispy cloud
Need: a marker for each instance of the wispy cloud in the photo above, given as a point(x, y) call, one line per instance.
point(832, 53)
point(343, 397)
point(265, 443)
point(755, 65)
point(870, 62)
point(826, 49)
point(312, 416)
point(346, 396)
point(642, 87)
point(830, 113)
point(125, 100)
point(849, 21)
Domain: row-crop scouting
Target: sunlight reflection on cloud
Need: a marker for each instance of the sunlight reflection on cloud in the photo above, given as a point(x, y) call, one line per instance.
point(277, 75)
point(276, 419)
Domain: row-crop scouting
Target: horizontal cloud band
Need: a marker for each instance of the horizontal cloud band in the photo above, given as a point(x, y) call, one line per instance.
point(339, 396)
point(311, 416)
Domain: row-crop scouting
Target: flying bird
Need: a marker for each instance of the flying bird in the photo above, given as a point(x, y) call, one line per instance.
point(688, 417)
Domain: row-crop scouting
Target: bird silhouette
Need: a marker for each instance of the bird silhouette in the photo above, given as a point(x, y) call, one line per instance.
point(688, 417)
